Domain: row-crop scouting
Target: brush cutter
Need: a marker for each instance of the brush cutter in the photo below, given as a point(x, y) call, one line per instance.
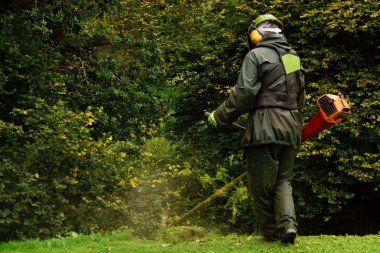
point(332, 110)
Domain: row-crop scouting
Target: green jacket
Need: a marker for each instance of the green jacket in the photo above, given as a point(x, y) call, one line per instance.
point(265, 125)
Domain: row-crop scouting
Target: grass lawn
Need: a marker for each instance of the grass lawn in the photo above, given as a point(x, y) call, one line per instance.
point(125, 242)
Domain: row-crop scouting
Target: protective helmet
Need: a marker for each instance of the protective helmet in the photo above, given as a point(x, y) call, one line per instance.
point(267, 17)
point(256, 33)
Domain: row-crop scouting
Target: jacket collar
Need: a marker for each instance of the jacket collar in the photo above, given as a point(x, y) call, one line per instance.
point(277, 40)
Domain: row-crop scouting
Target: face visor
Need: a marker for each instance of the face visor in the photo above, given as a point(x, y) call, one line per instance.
point(256, 33)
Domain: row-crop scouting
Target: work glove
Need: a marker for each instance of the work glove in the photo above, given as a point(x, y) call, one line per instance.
point(211, 120)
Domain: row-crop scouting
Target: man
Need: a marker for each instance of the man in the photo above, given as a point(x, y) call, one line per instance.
point(271, 89)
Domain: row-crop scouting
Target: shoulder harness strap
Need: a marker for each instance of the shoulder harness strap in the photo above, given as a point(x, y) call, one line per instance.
point(290, 66)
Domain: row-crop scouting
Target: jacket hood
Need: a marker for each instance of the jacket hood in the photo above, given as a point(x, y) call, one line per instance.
point(277, 40)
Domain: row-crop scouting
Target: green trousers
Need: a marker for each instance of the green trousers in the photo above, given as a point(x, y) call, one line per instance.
point(269, 170)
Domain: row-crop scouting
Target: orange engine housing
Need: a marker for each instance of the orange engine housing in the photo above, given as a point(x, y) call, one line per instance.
point(332, 109)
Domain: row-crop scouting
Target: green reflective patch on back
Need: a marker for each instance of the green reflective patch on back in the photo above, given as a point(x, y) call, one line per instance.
point(291, 63)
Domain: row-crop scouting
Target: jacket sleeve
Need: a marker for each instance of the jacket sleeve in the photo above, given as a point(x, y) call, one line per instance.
point(242, 96)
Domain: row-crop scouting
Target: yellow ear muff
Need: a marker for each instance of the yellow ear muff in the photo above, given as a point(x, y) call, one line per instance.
point(256, 37)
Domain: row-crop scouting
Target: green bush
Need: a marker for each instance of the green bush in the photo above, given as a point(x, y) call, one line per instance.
point(56, 178)
point(337, 172)
point(83, 83)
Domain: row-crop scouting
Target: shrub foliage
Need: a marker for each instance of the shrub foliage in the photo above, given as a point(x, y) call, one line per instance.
point(101, 114)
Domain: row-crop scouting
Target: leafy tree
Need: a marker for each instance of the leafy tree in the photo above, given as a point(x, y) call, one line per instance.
point(73, 74)
point(77, 95)
point(56, 179)
point(338, 42)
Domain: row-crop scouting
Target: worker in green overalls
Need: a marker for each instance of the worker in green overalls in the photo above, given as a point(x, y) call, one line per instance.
point(271, 89)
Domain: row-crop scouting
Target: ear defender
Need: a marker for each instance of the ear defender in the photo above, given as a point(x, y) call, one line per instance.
point(256, 37)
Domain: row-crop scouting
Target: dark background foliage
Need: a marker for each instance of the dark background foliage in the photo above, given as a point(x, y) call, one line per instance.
point(102, 126)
